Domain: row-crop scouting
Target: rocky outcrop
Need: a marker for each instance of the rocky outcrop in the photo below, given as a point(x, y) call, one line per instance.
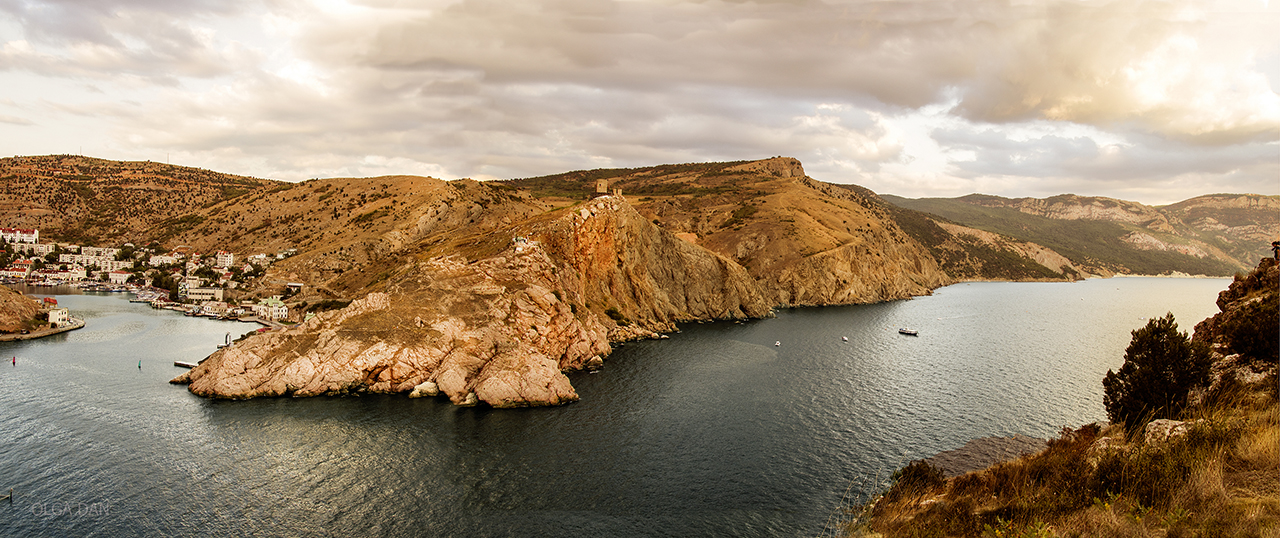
point(17, 311)
point(501, 330)
point(495, 328)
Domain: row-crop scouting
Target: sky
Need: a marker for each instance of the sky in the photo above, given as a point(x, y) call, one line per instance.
point(1152, 101)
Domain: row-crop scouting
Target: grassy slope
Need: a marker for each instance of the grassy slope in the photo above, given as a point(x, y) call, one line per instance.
point(1087, 243)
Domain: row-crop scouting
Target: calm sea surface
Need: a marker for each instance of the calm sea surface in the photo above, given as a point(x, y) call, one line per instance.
point(715, 432)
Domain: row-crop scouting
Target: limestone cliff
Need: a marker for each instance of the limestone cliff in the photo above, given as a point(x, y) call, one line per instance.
point(804, 242)
point(501, 329)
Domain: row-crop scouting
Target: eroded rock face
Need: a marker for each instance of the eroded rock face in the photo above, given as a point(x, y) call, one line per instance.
point(496, 328)
point(501, 330)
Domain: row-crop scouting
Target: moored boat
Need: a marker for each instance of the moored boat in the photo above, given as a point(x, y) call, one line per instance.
point(908, 332)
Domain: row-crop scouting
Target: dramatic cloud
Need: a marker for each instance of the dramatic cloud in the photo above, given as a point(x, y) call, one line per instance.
point(1155, 100)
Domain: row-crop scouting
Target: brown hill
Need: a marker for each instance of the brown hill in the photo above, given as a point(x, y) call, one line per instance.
point(17, 311)
point(95, 201)
point(805, 242)
point(499, 320)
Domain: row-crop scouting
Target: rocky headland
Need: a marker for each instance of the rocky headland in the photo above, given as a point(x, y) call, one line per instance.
point(503, 329)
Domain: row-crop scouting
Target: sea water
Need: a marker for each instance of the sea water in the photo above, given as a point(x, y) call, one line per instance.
point(714, 432)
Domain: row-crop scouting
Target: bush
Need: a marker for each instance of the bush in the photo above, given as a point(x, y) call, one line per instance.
point(1161, 366)
point(916, 477)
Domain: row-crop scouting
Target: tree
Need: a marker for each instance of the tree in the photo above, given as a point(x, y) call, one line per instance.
point(1161, 366)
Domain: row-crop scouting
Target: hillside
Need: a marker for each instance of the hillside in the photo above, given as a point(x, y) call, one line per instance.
point(1215, 235)
point(17, 311)
point(1213, 473)
point(90, 201)
point(805, 242)
point(496, 325)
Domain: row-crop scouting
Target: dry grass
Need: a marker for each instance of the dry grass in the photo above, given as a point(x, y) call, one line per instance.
point(1220, 479)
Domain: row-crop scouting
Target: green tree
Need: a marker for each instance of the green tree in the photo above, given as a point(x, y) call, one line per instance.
point(1161, 366)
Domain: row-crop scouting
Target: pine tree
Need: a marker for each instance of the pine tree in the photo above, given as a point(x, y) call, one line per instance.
point(1161, 366)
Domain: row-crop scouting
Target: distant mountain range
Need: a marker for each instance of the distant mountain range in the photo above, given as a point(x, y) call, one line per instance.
point(1216, 234)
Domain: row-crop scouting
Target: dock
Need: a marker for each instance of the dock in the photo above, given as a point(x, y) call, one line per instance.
point(185, 364)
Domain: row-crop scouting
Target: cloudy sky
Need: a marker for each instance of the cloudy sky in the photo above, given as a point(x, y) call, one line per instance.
point(1154, 101)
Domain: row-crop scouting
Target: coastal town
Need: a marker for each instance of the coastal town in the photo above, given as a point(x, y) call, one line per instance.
point(179, 279)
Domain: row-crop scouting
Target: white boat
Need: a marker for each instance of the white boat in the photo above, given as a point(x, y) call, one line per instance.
point(844, 338)
point(776, 344)
point(908, 332)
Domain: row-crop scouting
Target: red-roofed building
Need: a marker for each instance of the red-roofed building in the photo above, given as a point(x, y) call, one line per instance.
point(20, 235)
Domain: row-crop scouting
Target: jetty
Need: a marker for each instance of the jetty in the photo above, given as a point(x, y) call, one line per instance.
point(185, 364)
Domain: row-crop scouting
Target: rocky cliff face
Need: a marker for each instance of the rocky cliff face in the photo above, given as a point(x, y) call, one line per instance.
point(499, 330)
point(804, 242)
point(1248, 320)
point(16, 310)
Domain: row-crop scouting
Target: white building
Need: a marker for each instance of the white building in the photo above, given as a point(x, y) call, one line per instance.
point(101, 252)
point(271, 308)
point(36, 249)
point(105, 263)
point(204, 294)
point(20, 235)
point(119, 277)
point(224, 259)
point(59, 317)
point(162, 259)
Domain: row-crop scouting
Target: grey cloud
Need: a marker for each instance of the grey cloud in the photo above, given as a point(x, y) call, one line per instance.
point(154, 39)
point(1143, 159)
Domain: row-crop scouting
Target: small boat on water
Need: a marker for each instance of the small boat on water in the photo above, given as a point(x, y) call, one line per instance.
point(844, 338)
point(908, 332)
point(778, 343)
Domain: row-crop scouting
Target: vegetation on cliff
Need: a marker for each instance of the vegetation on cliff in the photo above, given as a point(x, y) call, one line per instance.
point(1212, 474)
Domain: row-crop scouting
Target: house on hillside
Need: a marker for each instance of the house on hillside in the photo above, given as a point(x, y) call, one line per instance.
point(224, 259)
point(271, 308)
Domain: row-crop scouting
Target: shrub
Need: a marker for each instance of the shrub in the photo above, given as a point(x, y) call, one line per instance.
point(1161, 366)
point(916, 477)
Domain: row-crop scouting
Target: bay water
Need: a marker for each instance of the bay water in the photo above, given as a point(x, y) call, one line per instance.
point(716, 431)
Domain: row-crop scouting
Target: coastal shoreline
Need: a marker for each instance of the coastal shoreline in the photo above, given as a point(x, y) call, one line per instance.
point(16, 337)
